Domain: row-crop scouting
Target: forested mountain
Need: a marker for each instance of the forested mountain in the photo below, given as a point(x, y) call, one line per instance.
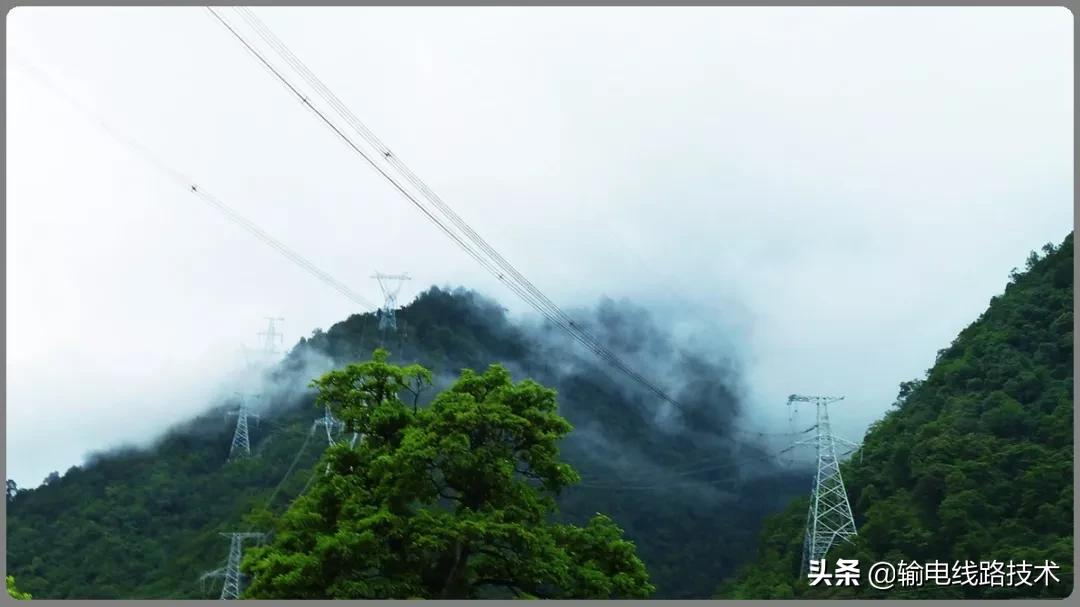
point(974, 462)
point(685, 485)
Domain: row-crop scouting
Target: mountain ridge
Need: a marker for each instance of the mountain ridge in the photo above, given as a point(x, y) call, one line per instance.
point(145, 523)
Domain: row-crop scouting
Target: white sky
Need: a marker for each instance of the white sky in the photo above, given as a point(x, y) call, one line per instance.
point(838, 191)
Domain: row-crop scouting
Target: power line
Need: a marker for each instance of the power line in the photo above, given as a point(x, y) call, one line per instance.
point(658, 475)
point(191, 186)
point(653, 487)
point(343, 111)
point(705, 465)
point(749, 433)
point(311, 478)
point(304, 99)
point(241, 441)
point(675, 478)
point(522, 286)
point(292, 466)
point(708, 464)
point(494, 262)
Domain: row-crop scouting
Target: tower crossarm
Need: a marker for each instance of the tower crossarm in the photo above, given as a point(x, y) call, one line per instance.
point(271, 336)
point(244, 535)
point(851, 447)
point(331, 424)
point(808, 441)
point(799, 398)
point(390, 284)
point(243, 407)
point(846, 442)
point(247, 412)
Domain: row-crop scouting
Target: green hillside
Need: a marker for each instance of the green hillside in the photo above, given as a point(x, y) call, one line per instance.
point(974, 462)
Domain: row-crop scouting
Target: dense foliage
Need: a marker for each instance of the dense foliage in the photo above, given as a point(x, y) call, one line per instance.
point(975, 462)
point(14, 593)
point(146, 523)
point(452, 500)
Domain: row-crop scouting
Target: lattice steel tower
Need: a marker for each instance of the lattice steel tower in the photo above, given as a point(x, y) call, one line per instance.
point(331, 423)
point(829, 520)
point(391, 286)
point(241, 445)
point(231, 571)
point(270, 337)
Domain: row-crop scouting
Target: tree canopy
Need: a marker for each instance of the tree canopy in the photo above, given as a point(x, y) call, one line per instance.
point(452, 500)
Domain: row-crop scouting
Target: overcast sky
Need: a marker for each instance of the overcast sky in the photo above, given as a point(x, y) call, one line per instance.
point(836, 191)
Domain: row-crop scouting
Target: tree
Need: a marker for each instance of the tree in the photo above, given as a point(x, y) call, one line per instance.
point(12, 490)
point(14, 593)
point(452, 500)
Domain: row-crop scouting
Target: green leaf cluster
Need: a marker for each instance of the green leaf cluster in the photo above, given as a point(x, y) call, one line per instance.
point(14, 593)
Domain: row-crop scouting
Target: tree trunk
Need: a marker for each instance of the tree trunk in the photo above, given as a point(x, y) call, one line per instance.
point(454, 587)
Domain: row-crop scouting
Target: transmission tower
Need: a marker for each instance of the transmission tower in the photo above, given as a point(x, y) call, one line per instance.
point(391, 286)
point(231, 571)
point(241, 445)
point(829, 519)
point(331, 423)
point(271, 337)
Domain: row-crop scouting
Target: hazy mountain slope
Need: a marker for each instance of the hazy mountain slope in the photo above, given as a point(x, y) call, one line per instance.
point(975, 462)
point(145, 523)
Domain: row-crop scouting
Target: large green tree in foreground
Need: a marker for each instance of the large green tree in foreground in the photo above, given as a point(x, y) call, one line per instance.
point(451, 500)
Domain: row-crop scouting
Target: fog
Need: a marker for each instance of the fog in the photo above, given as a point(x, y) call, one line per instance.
point(815, 199)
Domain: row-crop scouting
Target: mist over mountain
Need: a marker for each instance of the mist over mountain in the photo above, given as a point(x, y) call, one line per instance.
point(684, 482)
